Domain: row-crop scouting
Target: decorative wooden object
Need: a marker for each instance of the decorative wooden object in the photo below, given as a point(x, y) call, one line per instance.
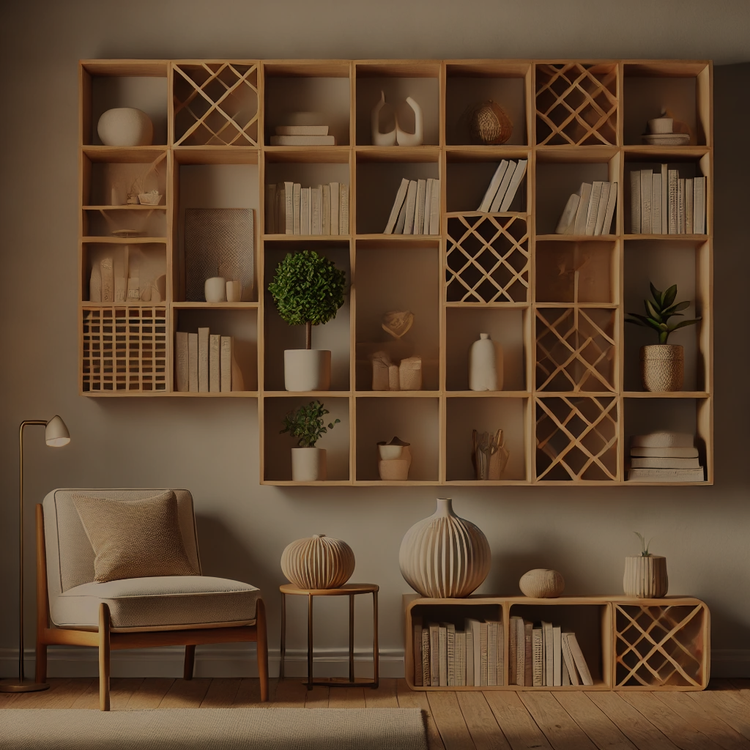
point(554, 302)
point(631, 644)
point(319, 562)
point(645, 576)
point(490, 124)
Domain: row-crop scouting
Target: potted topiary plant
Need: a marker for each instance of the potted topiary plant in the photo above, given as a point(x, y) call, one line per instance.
point(662, 364)
point(307, 426)
point(308, 290)
point(645, 574)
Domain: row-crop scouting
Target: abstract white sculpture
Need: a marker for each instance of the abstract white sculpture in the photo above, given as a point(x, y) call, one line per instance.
point(411, 139)
point(397, 135)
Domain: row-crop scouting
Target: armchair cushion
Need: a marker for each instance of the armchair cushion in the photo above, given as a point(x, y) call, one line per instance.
point(134, 538)
point(158, 603)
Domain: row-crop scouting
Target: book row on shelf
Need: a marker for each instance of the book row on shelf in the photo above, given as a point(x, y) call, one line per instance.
point(664, 457)
point(319, 210)
point(590, 210)
point(503, 186)
point(663, 202)
point(416, 209)
point(205, 363)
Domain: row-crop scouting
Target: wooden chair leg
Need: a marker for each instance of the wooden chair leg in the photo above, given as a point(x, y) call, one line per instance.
point(262, 648)
point(104, 653)
point(40, 675)
point(189, 662)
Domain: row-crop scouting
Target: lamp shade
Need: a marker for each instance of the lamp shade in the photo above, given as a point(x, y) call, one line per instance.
point(56, 433)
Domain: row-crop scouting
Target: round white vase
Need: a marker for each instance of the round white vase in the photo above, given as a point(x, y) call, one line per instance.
point(319, 562)
point(485, 365)
point(444, 556)
point(307, 369)
point(308, 464)
point(125, 126)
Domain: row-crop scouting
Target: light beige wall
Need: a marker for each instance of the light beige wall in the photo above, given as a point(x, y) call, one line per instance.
point(211, 446)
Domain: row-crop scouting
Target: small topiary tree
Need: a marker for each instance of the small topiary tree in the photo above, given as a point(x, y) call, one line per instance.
point(307, 289)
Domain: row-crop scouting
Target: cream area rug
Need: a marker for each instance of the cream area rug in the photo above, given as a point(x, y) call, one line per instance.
point(214, 729)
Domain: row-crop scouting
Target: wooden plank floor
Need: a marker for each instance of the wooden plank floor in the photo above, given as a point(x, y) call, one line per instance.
point(715, 719)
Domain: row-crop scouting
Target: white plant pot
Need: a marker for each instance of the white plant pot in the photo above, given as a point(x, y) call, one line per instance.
point(308, 464)
point(307, 369)
point(125, 126)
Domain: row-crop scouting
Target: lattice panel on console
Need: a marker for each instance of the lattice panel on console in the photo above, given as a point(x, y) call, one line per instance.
point(487, 259)
point(575, 349)
point(576, 104)
point(576, 438)
point(216, 104)
point(124, 349)
point(661, 645)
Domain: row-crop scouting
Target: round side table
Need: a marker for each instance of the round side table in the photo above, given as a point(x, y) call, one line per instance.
point(351, 590)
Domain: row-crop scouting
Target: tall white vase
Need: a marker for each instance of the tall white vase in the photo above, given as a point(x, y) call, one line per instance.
point(485, 365)
point(444, 556)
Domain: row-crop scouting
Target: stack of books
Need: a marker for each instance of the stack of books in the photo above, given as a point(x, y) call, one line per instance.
point(205, 363)
point(302, 135)
point(503, 186)
point(662, 202)
point(541, 654)
point(664, 457)
point(320, 210)
point(448, 656)
point(590, 210)
point(416, 209)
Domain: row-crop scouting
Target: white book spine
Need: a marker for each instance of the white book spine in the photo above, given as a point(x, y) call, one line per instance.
point(214, 363)
point(193, 362)
point(227, 354)
point(203, 360)
point(182, 382)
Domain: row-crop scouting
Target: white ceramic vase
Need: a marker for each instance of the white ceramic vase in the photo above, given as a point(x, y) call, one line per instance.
point(485, 365)
point(308, 464)
point(215, 289)
point(444, 556)
point(319, 562)
point(645, 576)
point(307, 369)
point(125, 126)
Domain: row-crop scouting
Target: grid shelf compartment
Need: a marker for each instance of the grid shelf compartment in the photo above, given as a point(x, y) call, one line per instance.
point(487, 259)
point(660, 645)
point(576, 104)
point(124, 349)
point(216, 104)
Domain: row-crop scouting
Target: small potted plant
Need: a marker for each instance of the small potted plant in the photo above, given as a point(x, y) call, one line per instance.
point(307, 426)
point(308, 290)
point(645, 574)
point(662, 364)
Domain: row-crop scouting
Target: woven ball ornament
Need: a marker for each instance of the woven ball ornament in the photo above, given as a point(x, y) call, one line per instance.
point(489, 124)
point(542, 583)
point(318, 562)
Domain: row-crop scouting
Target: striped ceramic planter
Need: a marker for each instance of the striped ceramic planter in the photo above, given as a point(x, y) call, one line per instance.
point(645, 576)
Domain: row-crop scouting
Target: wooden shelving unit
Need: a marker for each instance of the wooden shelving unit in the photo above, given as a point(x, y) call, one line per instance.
point(556, 303)
point(628, 643)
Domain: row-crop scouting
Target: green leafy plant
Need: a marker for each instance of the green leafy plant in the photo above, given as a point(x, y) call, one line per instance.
point(308, 290)
point(306, 424)
point(659, 309)
point(644, 544)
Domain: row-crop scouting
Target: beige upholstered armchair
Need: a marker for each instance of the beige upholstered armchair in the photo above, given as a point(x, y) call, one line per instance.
point(119, 568)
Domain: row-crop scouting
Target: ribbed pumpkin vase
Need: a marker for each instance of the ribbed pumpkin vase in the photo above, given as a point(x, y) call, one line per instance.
point(645, 576)
point(444, 556)
point(318, 562)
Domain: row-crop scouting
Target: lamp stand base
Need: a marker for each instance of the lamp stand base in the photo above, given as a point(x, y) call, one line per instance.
point(23, 686)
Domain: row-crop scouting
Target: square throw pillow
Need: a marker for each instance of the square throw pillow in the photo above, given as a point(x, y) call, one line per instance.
point(134, 538)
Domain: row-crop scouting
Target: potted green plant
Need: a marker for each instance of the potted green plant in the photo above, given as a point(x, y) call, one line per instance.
point(307, 425)
point(662, 364)
point(645, 574)
point(308, 290)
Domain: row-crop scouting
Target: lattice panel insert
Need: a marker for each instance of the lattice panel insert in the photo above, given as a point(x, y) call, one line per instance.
point(216, 104)
point(576, 438)
point(575, 349)
point(125, 349)
point(576, 104)
point(661, 646)
point(487, 259)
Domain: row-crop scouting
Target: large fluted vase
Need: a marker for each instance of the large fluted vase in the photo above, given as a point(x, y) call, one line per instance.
point(319, 562)
point(444, 556)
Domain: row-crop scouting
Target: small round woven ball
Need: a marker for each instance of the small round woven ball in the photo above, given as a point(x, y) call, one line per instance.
point(318, 562)
point(489, 124)
point(542, 583)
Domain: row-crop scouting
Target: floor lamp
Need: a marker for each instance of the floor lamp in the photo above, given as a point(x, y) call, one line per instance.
point(56, 435)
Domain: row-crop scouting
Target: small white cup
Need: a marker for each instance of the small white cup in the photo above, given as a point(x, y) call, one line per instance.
point(216, 289)
point(660, 125)
point(234, 291)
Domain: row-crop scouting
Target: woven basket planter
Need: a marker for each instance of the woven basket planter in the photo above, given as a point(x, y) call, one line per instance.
point(662, 367)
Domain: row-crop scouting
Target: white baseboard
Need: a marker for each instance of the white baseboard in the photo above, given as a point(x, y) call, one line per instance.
point(239, 661)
